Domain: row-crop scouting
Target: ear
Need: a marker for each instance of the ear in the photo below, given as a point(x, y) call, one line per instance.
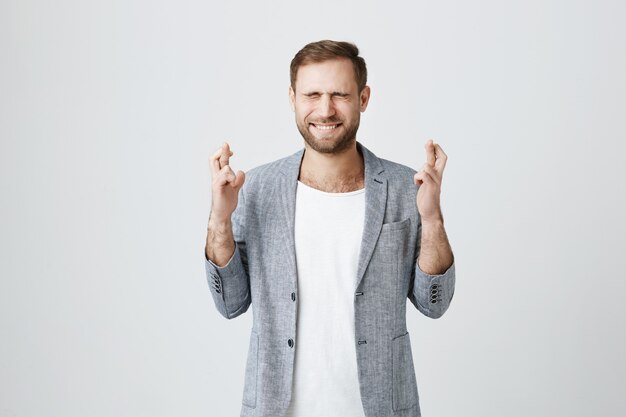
point(364, 98)
point(292, 99)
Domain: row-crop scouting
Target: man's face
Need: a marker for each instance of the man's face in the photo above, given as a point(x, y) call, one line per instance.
point(327, 104)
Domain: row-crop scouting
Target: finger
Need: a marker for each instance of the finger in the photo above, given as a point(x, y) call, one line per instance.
point(239, 180)
point(214, 162)
point(442, 158)
point(224, 158)
point(224, 176)
point(432, 172)
point(424, 177)
point(430, 152)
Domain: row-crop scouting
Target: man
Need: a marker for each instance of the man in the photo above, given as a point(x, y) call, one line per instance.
point(327, 244)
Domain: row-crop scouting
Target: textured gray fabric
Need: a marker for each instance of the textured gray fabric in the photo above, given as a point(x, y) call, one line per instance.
point(262, 273)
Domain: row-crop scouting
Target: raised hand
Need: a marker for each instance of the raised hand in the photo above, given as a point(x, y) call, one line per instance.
point(225, 185)
point(429, 179)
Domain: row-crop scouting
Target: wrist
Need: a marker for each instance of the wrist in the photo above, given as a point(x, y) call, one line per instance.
point(432, 222)
point(219, 226)
point(219, 220)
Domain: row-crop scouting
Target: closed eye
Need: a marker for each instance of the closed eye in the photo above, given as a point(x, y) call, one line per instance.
point(334, 94)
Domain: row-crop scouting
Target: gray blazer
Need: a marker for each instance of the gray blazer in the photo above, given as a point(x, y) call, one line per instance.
point(262, 273)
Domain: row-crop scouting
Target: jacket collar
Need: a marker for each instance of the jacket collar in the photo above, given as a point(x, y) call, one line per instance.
point(375, 203)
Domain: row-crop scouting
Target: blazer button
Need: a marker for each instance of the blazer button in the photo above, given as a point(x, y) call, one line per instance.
point(290, 343)
point(293, 296)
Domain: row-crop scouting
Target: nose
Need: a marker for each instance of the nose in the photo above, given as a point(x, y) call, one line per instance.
point(326, 108)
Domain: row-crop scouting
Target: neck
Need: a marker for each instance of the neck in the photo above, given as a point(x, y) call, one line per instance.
point(333, 172)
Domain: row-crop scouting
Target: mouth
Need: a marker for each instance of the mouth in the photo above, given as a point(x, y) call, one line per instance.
point(325, 127)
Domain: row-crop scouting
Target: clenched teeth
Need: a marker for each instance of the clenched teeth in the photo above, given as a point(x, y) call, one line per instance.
point(329, 127)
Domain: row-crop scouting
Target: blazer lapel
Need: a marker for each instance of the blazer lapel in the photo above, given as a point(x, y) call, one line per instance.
point(375, 204)
point(287, 187)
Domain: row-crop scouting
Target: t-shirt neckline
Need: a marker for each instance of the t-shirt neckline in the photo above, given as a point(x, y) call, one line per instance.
point(326, 193)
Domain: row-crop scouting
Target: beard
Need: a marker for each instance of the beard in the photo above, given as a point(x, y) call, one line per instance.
point(336, 144)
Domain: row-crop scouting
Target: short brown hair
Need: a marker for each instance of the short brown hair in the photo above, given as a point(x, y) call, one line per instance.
point(325, 50)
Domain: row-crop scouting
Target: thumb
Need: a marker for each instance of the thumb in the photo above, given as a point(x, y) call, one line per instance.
point(240, 178)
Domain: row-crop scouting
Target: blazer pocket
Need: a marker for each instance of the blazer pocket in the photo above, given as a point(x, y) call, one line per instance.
point(404, 383)
point(393, 243)
point(250, 385)
point(396, 225)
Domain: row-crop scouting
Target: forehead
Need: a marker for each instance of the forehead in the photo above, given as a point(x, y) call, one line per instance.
point(332, 75)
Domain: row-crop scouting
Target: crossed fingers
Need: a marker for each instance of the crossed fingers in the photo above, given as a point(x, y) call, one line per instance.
point(220, 168)
point(433, 169)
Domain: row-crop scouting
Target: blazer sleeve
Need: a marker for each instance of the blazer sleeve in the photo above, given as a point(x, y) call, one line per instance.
point(230, 284)
point(431, 294)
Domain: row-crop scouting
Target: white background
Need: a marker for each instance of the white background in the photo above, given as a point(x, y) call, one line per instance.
point(110, 110)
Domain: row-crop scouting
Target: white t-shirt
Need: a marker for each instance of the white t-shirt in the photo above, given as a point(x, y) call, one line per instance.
point(328, 233)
